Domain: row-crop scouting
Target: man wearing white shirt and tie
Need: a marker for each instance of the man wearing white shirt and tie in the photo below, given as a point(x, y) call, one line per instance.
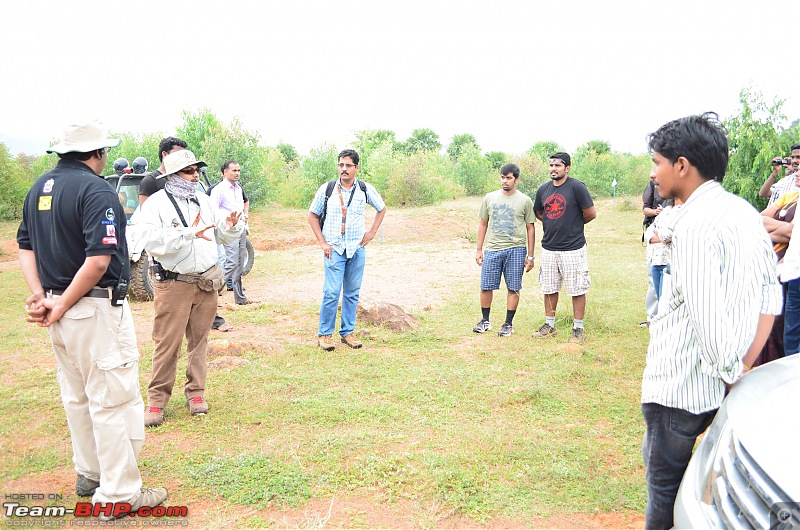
point(227, 196)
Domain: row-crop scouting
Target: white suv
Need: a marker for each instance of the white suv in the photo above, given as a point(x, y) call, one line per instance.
point(746, 471)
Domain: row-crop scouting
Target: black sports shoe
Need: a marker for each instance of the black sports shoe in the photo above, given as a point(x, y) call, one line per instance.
point(483, 326)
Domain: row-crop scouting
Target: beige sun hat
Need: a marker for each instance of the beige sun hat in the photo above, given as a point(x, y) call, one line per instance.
point(83, 138)
point(178, 160)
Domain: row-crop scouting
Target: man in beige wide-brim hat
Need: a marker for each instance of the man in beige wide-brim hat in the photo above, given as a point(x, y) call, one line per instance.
point(74, 258)
point(181, 230)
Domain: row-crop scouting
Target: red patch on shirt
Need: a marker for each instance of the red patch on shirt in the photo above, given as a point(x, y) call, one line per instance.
point(109, 240)
point(555, 206)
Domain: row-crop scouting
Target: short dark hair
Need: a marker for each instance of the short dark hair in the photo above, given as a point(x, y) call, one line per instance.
point(167, 144)
point(226, 164)
point(81, 157)
point(564, 157)
point(795, 146)
point(351, 154)
point(510, 168)
point(700, 139)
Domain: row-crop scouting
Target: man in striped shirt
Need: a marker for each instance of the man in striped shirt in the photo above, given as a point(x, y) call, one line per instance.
point(720, 309)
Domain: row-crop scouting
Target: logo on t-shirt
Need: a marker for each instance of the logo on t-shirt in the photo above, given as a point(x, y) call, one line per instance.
point(555, 206)
point(48, 186)
point(110, 214)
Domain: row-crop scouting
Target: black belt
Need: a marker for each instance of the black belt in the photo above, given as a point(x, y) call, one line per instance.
point(96, 292)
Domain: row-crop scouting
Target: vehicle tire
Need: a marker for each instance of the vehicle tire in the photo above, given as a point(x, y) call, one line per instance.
point(249, 257)
point(141, 286)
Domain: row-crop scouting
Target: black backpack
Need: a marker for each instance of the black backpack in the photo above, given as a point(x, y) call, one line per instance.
point(328, 193)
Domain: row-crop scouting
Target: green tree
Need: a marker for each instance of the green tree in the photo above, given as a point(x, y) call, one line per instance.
point(544, 149)
point(421, 140)
point(474, 171)
point(497, 159)
point(15, 181)
point(460, 143)
point(196, 127)
point(756, 135)
point(288, 151)
point(599, 147)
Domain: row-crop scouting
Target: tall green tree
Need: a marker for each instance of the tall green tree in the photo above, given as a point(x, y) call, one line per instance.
point(756, 135)
point(460, 143)
point(288, 151)
point(544, 149)
point(421, 140)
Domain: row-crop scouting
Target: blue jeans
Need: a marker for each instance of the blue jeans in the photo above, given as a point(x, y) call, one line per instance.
point(341, 274)
point(791, 320)
point(658, 279)
point(667, 448)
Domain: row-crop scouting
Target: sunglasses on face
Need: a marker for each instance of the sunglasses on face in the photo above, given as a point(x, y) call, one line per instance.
point(189, 171)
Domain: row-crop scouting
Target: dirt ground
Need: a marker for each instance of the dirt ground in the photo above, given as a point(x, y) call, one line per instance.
point(430, 254)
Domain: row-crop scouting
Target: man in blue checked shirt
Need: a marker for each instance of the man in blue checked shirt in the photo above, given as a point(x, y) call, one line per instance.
point(342, 239)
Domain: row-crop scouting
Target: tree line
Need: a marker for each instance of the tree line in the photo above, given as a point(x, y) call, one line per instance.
point(419, 170)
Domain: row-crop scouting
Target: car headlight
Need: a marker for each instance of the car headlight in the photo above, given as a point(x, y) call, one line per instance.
point(708, 455)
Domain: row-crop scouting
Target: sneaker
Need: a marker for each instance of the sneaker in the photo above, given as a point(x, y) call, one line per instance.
point(153, 417)
point(506, 330)
point(545, 331)
point(150, 497)
point(577, 336)
point(326, 342)
point(197, 406)
point(85, 486)
point(483, 326)
point(352, 341)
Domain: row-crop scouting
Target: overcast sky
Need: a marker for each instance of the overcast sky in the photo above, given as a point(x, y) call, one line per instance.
point(309, 72)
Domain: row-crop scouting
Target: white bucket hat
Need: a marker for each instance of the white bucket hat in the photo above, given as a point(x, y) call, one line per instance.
point(83, 138)
point(178, 160)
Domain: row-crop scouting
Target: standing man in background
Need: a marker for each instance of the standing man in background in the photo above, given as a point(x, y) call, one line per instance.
point(507, 215)
point(564, 206)
point(227, 197)
point(342, 240)
point(74, 258)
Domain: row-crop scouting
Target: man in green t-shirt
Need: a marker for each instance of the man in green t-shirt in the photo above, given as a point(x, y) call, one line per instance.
point(507, 217)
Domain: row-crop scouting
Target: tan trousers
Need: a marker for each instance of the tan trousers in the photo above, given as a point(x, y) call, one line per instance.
point(180, 309)
point(98, 372)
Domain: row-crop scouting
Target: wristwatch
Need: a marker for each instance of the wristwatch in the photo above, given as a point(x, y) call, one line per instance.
point(531, 258)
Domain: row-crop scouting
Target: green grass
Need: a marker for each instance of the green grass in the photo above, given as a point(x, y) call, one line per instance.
point(476, 425)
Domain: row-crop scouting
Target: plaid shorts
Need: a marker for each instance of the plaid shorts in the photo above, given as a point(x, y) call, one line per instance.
point(510, 262)
point(568, 266)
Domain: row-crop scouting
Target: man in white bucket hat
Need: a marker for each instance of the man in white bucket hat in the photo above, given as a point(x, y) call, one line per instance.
point(181, 229)
point(74, 258)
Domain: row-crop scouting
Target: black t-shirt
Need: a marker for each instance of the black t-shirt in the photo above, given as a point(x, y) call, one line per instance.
point(652, 199)
point(71, 213)
point(150, 184)
point(562, 214)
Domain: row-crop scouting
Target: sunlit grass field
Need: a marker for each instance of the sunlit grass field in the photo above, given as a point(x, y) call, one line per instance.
point(479, 427)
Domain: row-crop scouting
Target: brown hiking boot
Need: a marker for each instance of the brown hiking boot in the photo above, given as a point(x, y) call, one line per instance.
point(545, 331)
point(352, 341)
point(197, 405)
point(326, 342)
point(153, 417)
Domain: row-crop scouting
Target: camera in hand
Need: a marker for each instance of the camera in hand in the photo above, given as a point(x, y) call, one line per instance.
point(780, 161)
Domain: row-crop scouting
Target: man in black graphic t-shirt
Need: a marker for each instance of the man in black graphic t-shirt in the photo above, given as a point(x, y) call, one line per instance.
point(563, 205)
